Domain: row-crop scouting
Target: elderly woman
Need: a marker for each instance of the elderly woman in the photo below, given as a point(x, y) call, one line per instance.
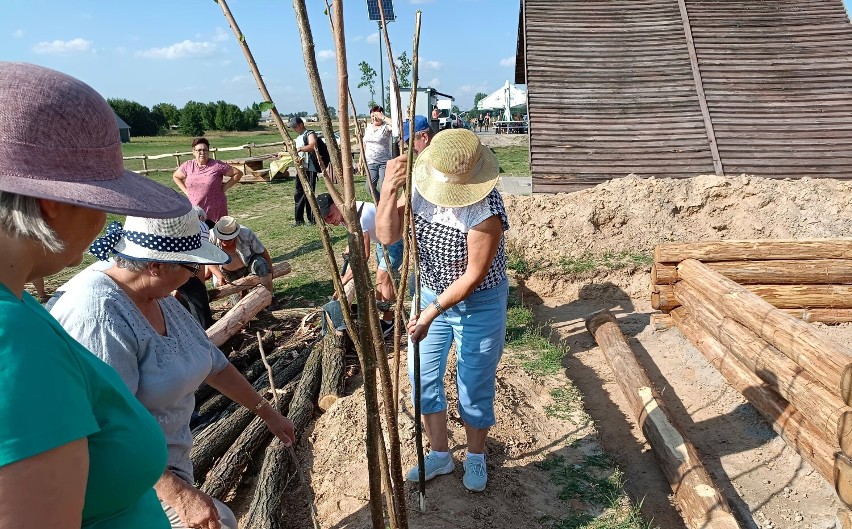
point(459, 223)
point(77, 449)
point(201, 180)
point(126, 316)
point(377, 150)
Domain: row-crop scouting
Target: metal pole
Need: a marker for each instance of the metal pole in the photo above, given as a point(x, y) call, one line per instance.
point(381, 67)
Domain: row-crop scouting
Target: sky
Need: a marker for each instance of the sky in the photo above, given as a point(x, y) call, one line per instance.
point(173, 51)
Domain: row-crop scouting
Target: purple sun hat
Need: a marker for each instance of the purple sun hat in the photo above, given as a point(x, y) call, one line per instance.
point(59, 140)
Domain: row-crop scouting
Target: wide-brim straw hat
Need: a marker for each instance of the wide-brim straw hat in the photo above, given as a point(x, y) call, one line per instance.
point(227, 228)
point(455, 170)
point(59, 140)
point(175, 240)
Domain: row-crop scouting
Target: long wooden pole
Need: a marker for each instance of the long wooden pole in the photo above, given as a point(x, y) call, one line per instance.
point(779, 296)
point(775, 272)
point(828, 361)
point(754, 250)
point(702, 505)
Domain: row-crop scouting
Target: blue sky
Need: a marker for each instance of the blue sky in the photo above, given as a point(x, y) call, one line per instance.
point(176, 50)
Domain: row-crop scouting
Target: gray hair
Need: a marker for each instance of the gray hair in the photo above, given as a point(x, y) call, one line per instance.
point(20, 216)
point(132, 265)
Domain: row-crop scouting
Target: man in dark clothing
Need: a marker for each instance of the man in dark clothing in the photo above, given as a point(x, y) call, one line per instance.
point(306, 142)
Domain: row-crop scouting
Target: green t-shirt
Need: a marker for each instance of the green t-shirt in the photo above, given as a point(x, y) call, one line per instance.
point(54, 392)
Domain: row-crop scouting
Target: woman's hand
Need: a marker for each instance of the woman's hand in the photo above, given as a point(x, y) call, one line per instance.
point(395, 175)
point(418, 327)
point(280, 426)
point(196, 509)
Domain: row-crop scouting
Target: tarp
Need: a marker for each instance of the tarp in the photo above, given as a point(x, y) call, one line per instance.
point(504, 98)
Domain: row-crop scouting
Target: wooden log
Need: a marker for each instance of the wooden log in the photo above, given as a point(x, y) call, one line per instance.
point(777, 272)
point(247, 282)
point(784, 418)
point(333, 353)
point(843, 520)
point(219, 436)
point(241, 313)
point(831, 417)
point(240, 359)
point(267, 505)
point(700, 502)
point(821, 315)
point(779, 296)
point(661, 322)
point(225, 474)
point(828, 361)
point(754, 250)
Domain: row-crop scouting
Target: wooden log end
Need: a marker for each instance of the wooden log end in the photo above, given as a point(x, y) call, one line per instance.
point(661, 321)
point(596, 319)
point(846, 385)
point(326, 401)
point(843, 479)
point(843, 520)
point(844, 432)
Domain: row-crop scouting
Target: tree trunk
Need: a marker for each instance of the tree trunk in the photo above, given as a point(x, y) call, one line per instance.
point(828, 361)
point(779, 296)
point(219, 436)
point(784, 418)
point(821, 315)
point(237, 318)
point(267, 507)
point(225, 474)
point(753, 250)
point(247, 282)
point(331, 386)
point(776, 272)
point(831, 417)
point(701, 503)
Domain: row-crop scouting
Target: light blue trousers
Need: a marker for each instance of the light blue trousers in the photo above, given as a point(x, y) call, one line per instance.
point(477, 325)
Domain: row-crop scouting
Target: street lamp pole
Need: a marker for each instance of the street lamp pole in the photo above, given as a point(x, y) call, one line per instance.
point(381, 68)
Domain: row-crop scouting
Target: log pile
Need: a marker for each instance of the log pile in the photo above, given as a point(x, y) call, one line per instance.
point(756, 334)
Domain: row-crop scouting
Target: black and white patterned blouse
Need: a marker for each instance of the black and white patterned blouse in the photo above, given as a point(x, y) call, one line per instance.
point(442, 240)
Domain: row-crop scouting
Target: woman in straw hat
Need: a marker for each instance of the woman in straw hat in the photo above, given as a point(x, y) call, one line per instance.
point(77, 449)
point(459, 222)
point(127, 317)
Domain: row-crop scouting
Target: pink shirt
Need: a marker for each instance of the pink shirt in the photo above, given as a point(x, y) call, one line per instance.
point(204, 186)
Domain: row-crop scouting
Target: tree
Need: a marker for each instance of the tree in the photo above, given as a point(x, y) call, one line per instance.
point(476, 99)
point(403, 70)
point(165, 114)
point(332, 112)
point(137, 116)
point(368, 79)
point(192, 119)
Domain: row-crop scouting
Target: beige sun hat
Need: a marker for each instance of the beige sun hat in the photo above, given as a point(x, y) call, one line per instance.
point(227, 228)
point(175, 240)
point(455, 170)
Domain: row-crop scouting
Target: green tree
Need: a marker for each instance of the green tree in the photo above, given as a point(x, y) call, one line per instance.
point(476, 99)
point(250, 118)
point(165, 114)
point(192, 119)
point(137, 116)
point(403, 70)
point(332, 112)
point(368, 79)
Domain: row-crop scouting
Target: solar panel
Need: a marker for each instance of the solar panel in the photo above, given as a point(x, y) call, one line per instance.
point(373, 10)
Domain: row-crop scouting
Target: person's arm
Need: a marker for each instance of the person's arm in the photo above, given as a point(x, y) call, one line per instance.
point(390, 211)
point(311, 145)
point(234, 385)
point(46, 490)
point(235, 175)
point(268, 258)
point(216, 270)
point(483, 241)
point(180, 181)
point(193, 507)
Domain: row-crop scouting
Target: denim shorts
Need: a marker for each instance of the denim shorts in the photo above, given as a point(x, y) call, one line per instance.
point(257, 265)
point(394, 255)
point(477, 325)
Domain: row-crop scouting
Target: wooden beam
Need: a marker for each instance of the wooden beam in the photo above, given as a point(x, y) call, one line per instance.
point(776, 272)
point(779, 296)
point(754, 250)
point(700, 502)
point(828, 361)
point(699, 89)
point(239, 315)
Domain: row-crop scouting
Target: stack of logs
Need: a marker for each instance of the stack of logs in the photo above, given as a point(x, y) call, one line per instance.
point(742, 304)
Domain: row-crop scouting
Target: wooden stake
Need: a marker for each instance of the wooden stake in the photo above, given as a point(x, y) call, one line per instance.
point(700, 501)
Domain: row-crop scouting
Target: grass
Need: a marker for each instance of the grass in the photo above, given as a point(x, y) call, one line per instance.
point(538, 355)
point(514, 160)
point(605, 261)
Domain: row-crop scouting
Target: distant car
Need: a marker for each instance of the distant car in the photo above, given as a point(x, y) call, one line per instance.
point(453, 121)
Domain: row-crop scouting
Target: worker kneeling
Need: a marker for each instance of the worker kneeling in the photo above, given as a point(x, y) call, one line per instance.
point(393, 257)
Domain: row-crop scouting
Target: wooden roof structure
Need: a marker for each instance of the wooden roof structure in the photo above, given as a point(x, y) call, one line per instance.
point(677, 88)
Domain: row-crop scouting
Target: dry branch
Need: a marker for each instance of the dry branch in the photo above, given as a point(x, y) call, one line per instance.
point(701, 503)
point(245, 283)
point(241, 313)
point(753, 250)
point(828, 361)
point(777, 272)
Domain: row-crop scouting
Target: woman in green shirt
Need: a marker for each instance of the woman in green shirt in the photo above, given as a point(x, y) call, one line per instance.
point(76, 448)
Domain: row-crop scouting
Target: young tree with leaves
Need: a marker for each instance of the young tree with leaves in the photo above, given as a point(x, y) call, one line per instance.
point(368, 80)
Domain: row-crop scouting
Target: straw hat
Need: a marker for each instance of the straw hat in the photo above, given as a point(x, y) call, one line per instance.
point(59, 140)
point(455, 170)
point(227, 228)
point(176, 240)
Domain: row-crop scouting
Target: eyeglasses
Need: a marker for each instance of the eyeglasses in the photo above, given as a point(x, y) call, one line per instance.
point(193, 269)
point(201, 150)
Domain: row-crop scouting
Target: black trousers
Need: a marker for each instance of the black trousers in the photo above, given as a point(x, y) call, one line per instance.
point(301, 200)
point(193, 296)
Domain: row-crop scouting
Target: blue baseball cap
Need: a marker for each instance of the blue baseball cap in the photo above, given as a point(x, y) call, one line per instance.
point(420, 124)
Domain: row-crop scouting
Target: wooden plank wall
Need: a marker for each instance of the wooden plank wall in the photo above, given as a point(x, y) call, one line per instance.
point(778, 81)
point(611, 90)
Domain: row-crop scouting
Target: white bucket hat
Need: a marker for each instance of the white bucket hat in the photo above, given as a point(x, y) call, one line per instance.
point(226, 229)
point(175, 240)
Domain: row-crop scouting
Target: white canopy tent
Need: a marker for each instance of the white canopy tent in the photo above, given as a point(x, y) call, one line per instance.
point(504, 98)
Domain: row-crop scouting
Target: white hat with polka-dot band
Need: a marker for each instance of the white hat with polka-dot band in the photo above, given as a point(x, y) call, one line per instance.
point(176, 240)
